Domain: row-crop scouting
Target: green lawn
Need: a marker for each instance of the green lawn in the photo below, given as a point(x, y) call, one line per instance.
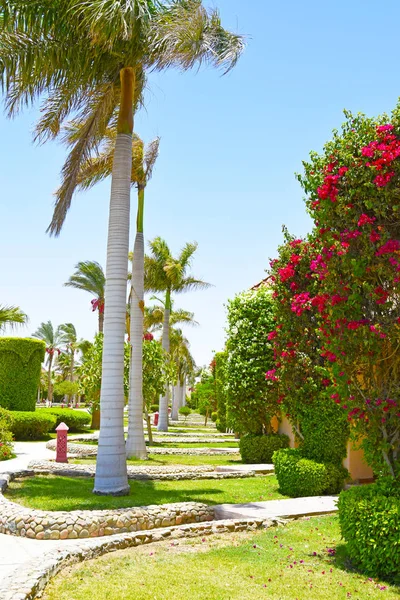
point(71, 493)
point(173, 459)
point(305, 560)
point(230, 444)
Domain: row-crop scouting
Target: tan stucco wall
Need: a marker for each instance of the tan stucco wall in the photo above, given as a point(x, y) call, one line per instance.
point(355, 463)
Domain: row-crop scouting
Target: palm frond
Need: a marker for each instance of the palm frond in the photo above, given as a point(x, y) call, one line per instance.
point(190, 284)
point(186, 254)
point(89, 277)
point(46, 332)
point(11, 316)
point(97, 116)
point(150, 157)
point(187, 34)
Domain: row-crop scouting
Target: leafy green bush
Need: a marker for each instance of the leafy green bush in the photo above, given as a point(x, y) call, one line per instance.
point(214, 417)
point(154, 408)
point(185, 411)
point(65, 388)
point(32, 425)
point(76, 420)
point(20, 365)
point(369, 519)
point(298, 476)
point(260, 448)
point(6, 438)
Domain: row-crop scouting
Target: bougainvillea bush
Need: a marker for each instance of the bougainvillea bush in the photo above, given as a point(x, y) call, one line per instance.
point(250, 407)
point(299, 378)
point(351, 281)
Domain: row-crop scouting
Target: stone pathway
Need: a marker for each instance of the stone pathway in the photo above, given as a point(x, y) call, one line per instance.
point(290, 508)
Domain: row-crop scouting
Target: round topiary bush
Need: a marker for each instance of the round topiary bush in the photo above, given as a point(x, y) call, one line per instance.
point(369, 519)
point(32, 425)
point(260, 448)
point(299, 477)
point(20, 364)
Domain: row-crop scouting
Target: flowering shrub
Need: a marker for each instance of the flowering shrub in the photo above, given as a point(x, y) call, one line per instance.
point(353, 197)
point(338, 318)
point(299, 378)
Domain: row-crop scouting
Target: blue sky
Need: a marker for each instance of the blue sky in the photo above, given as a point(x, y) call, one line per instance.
point(229, 149)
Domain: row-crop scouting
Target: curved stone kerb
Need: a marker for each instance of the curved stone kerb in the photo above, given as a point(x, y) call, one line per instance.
point(61, 525)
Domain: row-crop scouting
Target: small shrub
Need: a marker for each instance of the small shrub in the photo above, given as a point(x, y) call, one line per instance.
point(298, 476)
point(185, 411)
point(6, 438)
point(76, 420)
point(260, 448)
point(154, 408)
point(214, 417)
point(32, 425)
point(369, 519)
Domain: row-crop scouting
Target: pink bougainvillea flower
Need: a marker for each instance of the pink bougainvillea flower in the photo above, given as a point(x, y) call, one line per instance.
point(365, 219)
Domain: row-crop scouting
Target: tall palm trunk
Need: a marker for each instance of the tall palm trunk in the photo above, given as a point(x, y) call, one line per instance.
point(111, 472)
point(135, 443)
point(175, 402)
point(184, 392)
point(101, 322)
point(71, 375)
point(49, 383)
point(164, 400)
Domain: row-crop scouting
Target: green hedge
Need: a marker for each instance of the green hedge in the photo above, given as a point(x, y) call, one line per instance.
point(260, 448)
point(369, 519)
point(32, 425)
point(6, 438)
point(298, 476)
point(20, 365)
point(76, 420)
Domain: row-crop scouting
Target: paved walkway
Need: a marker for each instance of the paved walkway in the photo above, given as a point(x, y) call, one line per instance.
point(26, 452)
point(293, 507)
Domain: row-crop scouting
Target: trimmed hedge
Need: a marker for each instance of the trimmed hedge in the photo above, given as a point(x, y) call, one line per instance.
point(32, 425)
point(298, 476)
point(20, 365)
point(76, 420)
point(260, 448)
point(6, 438)
point(369, 519)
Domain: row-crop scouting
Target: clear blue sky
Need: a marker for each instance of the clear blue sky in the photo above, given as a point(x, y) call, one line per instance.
point(225, 176)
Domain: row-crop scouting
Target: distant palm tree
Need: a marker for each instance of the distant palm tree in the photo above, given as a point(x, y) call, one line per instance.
point(11, 315)
point(164, 273)
point(184, 367)
point(89, 277)
point(51, 337)
point(154, 317)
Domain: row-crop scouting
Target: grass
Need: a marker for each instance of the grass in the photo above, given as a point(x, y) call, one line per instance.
point(304, 560)
point(230, 444)
point(157, 460)
point(48, 492)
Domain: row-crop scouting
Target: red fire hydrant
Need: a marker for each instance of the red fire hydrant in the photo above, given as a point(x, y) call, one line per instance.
point(155, 422)
point(61, 451)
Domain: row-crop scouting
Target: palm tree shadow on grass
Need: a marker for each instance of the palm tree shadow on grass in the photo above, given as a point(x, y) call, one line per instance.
point(75, 493)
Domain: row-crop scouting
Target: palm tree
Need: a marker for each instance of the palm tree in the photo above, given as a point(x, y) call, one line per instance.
point(90, 58)
point(11, 315)
point(51, 337)
point(164, 273)
point(184, 367)
point(68, 336)
point(93, 170)
point(154, 317)
point(89, 277)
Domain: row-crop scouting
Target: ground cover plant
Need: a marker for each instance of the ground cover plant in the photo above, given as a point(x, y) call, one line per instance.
point(73, 493)
point(304, 559)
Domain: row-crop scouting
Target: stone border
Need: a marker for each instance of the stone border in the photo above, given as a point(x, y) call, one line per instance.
point(87, 450)
point(141, 473)
point(29, 581)
point(61, 525)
